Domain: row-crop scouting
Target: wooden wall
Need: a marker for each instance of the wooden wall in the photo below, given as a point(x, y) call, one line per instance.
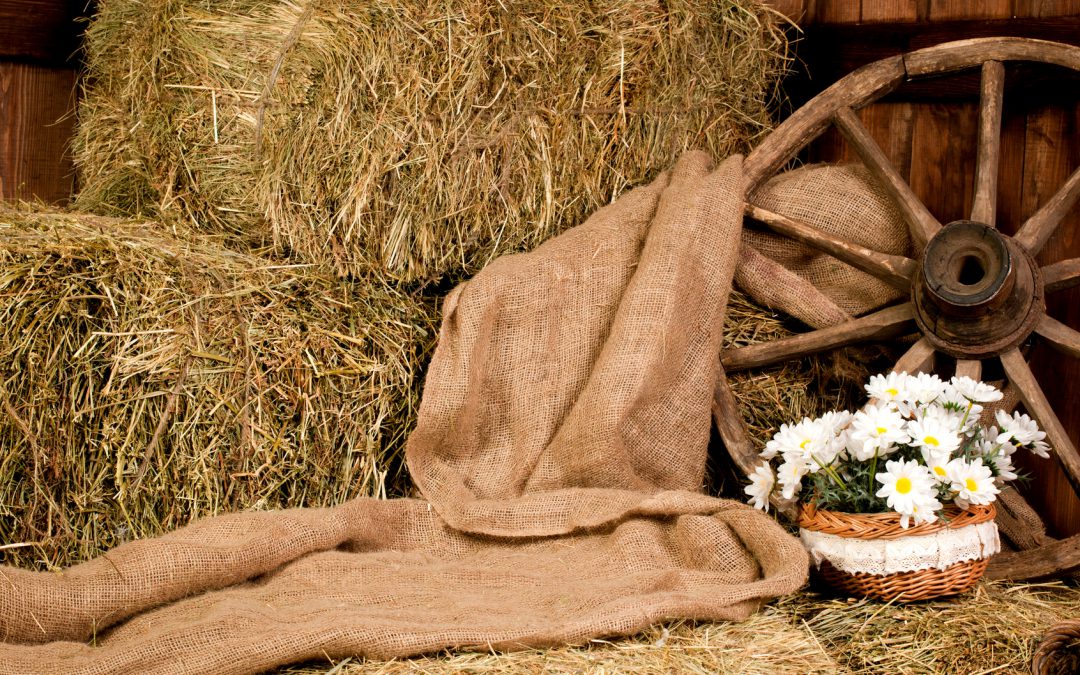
point(38, 45)
point(929, 132)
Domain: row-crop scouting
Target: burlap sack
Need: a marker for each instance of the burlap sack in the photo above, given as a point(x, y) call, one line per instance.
point(812, 286)
point(561, 445)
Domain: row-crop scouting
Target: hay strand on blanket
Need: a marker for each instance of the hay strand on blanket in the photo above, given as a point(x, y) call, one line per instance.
point(149, 378)
point(417, 139)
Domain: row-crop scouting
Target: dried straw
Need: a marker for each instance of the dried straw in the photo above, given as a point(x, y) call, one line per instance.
point(417, 139)
point(993, 629)
point(806, 387)
point(149, 378)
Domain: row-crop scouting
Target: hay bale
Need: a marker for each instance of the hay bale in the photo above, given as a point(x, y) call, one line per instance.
point(149, 378)
point(418, 139)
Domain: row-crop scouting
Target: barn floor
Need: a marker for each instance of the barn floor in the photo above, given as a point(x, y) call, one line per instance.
point(993, 629)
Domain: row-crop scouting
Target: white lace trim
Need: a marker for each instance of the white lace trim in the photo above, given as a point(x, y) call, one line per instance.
point(905, 554)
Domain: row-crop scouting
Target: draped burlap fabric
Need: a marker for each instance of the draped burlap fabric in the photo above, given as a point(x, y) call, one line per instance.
point(810, 285)
point(560, 447)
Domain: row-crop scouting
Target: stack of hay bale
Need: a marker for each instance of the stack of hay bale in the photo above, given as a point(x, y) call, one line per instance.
point(290, 187)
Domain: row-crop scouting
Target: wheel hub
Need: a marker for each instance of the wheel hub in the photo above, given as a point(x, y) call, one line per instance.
point(977, 292)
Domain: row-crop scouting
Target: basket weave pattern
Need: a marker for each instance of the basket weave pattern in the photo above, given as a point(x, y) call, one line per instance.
point(906, 586)
point(1059, 651)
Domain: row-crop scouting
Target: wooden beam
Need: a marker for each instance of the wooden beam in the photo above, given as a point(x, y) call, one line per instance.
point(36, 124)
point(41, 31)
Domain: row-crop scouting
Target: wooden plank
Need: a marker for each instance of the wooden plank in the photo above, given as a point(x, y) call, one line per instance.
point(921, 222)
point(943, 158)
point(36, 125)
point(1045, 8)
point(45, 31)
point(1052, 151)
point(891, 11)
point(829, 52)
point(807, 123)
point(890, 124)
point(1011, 171)
point(838, 11)
point(943, 10)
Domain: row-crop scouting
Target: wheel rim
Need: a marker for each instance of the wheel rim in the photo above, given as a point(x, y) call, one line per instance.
point(954, 312)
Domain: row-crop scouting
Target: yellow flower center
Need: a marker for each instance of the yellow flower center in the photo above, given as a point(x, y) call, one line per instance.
point(892, 392)
point(802, 446)
point(970, 484)
point(903, 485)
point(939, 470)
point(881, 430)
point(930, 440)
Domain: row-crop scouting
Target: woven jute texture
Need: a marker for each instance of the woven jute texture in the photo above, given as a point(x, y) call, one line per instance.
point(560, 447)
point(810, 285)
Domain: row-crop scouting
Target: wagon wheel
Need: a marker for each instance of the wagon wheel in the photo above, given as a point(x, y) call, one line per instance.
point(972, 317)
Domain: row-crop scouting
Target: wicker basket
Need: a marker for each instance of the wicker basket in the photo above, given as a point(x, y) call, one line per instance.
point(904, 586)
point(1059, 651)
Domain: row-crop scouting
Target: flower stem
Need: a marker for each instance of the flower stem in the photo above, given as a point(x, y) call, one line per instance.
point(831, 472)
point(873, 472)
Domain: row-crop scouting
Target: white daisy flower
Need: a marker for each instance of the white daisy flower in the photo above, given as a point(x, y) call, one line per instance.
point(958, 407)
point(925, 387)
point(799, 440)
point(975, 391)
point(790, 475)
point(908, 489)
point(833, 440)
point(889, 388)
point(876, 430)
point(1004, 469)
point(937, 462)
point(1021, 430)
point(835, 422)
point(972, 481)
point(1040, 448)
point(934, 433)
point(760, 487)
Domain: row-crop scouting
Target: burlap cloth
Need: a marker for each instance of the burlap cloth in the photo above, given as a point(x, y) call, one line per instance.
point(809, 285)
point(561, 447)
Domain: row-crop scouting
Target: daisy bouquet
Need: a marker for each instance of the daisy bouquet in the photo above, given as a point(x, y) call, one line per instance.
point(915, 448)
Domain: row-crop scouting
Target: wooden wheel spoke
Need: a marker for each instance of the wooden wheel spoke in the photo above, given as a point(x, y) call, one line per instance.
point(729, 424)
point(969, 368)
point(1052, 559)
point(1061, 275)
point(893, 269)
point(918, 359)
point(984, 205)
point(883, 324)
point(921, 222)
point(1038, 406)
point(1061, 337)
point(1038, 228)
